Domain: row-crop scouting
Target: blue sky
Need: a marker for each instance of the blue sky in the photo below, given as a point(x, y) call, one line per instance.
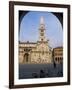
point(29, 28)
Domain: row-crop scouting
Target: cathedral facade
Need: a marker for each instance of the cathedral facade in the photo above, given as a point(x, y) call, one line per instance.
point(38, 52)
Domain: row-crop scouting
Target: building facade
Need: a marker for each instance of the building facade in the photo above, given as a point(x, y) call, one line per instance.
point(38, 52)
point(58, 55)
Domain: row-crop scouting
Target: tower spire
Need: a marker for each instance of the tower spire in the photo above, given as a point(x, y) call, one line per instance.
point(42, 20)
point(42, 29)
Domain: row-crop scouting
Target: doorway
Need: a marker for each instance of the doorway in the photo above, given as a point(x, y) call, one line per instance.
point(26, 57)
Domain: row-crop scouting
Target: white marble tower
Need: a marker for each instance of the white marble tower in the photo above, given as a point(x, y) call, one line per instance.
point(42, 30)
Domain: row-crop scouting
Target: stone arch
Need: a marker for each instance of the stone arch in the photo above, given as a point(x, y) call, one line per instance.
point(26, 57)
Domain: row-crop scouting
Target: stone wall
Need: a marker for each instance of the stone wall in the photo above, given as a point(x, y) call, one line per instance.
point(39, 53)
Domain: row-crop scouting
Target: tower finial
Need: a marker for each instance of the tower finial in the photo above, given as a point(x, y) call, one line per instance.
point(42, 20)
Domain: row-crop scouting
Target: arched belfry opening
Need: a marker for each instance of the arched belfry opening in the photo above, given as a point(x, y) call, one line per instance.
point(26, 57)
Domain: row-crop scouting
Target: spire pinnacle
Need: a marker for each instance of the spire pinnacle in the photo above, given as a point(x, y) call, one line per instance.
point(42, 20)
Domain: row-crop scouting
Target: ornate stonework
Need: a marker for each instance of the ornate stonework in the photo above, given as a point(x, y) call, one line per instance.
point(39, 52)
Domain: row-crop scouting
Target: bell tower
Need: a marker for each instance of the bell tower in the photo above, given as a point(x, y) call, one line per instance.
point(42, 30)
